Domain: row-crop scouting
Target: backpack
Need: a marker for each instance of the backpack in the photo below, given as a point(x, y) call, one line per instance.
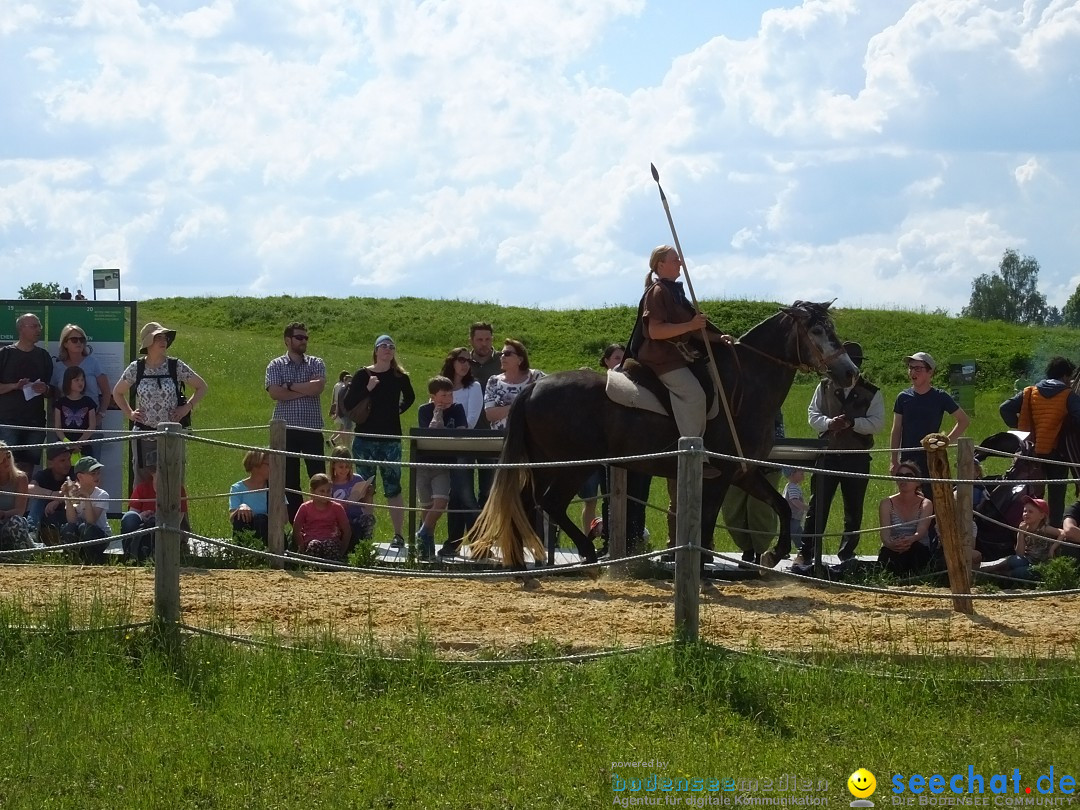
point(181, 398)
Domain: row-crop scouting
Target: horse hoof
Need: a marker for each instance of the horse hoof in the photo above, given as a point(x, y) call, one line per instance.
point(770, 558)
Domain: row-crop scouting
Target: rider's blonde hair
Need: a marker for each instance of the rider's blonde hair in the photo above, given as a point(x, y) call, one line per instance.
point(657, 256)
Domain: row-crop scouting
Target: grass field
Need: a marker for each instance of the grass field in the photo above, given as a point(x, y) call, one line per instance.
point(110, 720)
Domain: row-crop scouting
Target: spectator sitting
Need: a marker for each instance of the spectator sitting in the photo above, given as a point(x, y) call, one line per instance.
point(47, 505)
point(141, 514)
point(905, 523)
point(75, 416)
point(1033, 541)
point(247, 498)
point(321, 527)
point(432, 483)
point(14, 528)
point(351, 491)
point(86, 506)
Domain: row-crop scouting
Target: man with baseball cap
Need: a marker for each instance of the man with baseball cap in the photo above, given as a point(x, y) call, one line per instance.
point(918, 411)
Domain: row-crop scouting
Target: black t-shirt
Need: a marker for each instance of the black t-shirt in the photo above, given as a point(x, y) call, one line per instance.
point(15, 365)
point(1073, 512)
point(389, 399)
point(45, 479)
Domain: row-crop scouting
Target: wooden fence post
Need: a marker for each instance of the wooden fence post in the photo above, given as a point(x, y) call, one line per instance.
point(949, 523)
point(170, 472)
point(277, 515)
point(616, 532)
point(688, 533)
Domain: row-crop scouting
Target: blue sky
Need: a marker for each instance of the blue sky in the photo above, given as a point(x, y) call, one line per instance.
point(883, 153)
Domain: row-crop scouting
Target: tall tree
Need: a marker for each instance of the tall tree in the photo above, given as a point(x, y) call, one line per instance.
point(1011, 294)
point(1070, 313)
point(40, 289)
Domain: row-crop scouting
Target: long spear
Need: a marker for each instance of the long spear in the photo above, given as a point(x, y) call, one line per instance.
point(704, 331)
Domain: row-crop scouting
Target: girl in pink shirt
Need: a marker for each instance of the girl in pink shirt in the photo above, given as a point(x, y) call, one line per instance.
point(321, 527)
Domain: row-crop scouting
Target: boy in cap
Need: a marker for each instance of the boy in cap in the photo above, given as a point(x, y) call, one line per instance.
point(86, 507)
point(918, 411)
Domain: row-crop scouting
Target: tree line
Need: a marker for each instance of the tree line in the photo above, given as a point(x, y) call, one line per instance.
point(1012, 295)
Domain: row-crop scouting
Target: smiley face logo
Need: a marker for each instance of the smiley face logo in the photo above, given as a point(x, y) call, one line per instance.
point(862, 784)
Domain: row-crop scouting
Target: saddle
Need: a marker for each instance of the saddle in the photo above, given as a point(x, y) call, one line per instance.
point(637, 386)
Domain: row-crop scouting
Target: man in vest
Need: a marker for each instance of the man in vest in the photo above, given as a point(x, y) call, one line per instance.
point(1042, 409)
point(847, 418)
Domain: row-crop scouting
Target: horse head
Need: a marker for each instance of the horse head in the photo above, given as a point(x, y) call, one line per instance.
point(817, 346)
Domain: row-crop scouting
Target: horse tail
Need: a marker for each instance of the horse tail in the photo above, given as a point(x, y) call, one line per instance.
point(504, 522)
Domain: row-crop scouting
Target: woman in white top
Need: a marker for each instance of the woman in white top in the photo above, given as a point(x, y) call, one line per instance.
point(503, 389)
point(463, 507)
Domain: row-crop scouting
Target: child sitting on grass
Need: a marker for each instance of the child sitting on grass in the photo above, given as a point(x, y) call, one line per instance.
point(321, 527)
point(432, 483)
point(1033, 542)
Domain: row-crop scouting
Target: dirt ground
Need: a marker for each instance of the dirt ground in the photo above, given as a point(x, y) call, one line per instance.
point(460, 616)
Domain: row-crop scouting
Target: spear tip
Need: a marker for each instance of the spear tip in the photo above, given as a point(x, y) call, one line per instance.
point(655, 173)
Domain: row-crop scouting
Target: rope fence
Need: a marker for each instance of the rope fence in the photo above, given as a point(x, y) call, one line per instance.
point(173, 542)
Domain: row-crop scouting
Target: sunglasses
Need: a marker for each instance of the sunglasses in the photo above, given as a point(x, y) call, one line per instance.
point(461, 359)
point(505, 353)
point(76, 339)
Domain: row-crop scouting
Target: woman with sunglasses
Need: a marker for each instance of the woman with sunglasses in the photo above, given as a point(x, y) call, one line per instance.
point(76, 351)
point(904, 519)
point(503, 389)
point(463, 507)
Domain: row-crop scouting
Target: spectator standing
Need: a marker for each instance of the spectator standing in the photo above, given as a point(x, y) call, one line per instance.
point(79, 296)
point(86, 507)
point(75, 416)
point(248, 497)
point(47, 504)
point(1042, 409)
point(847, 419)
point(502, 389)
point(388, 386)
point(25, 371)
point(432, 483)
point(65, 295)
point(158, 380)
point(76, 352)
point(464, 507)
point(340, 419)
point(485, 363)
point(295, 382)
point(793, 494)
point(918, 411)
point(14, 528)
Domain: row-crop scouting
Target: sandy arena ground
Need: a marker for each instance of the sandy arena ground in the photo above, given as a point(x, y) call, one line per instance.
point(462, 615)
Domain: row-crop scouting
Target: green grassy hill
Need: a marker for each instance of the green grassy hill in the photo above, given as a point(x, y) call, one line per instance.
point(230, 340)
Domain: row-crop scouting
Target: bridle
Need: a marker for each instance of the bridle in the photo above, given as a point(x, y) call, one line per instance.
point(823, 360)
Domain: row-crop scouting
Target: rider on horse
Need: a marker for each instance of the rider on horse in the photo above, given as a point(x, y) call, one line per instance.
point(660, 340)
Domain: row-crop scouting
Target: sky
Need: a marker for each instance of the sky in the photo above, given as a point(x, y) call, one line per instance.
point(882, 153)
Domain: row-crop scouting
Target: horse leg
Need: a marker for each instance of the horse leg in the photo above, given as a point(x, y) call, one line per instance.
point(756, 485)
point(560, 492)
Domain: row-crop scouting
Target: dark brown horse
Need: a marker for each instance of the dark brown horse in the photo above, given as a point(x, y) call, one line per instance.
point(567, 417)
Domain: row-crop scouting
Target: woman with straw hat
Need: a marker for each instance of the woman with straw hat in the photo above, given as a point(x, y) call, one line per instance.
point(159, 382)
